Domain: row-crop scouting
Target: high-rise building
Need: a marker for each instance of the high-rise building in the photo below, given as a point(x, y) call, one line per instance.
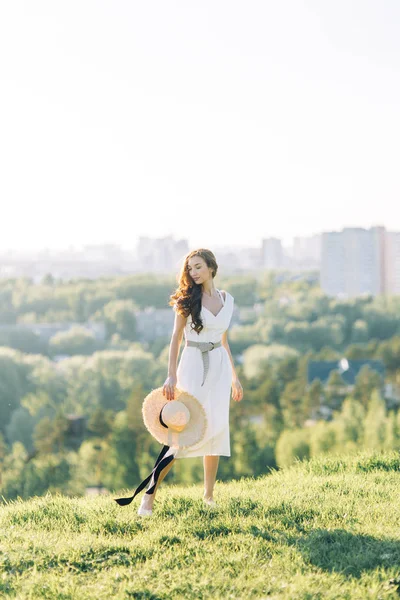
point(272, 253)
point(307, 249)
point(392, 263)
point(353, 262)
point(161, 254)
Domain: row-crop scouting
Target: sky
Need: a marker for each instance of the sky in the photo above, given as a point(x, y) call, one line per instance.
point(222, 121)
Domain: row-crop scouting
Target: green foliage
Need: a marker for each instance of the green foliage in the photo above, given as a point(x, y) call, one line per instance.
point(100, 423)
point(3, 454)
point(24, 476)
point(242, 337)
point(389, 352)
point(375, 422)
point(243, 289)
point(323, 437)
point(251, 454)
point(291, 401)
point(77, 340)
point(354, 427)
point(367, 381)
point(11, 385)
point(122, 469)
point(359, 333)
point(326, 330)
point(381, 324)
point(256, 357)
point(313, 398)
point(20, 428)
point(49, 435)
point(106, 378)
point(336, 390)
point(144, 290)
point(285, 324)
point(350, 424)
point(23, 340)
point(119, 317)
point(292, 445)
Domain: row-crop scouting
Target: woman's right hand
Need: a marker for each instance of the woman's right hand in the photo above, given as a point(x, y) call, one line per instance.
point(169, 387)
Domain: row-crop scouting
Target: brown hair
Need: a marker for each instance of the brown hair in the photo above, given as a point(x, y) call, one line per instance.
point(187, 296)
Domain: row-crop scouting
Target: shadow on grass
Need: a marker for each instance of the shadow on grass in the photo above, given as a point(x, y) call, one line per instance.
point(333, 550)
point(351, 554)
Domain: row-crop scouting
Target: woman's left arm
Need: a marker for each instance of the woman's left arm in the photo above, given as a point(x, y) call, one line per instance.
point(237, 390)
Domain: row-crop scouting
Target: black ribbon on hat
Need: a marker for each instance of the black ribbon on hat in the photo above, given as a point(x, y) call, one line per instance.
point(166, 455)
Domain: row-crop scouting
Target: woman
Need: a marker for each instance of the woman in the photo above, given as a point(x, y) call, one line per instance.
point(206, 370)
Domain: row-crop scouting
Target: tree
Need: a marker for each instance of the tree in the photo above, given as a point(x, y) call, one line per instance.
point(375, 422)
point(49, 435)
point(389, 352)
point(292, 402)
point(3, 452)
point(119, 317)
point(367, 380)
point(292, 445)
point(322, 437)
point(350, 425)
point(256, 357)
point(392, 441)
point(10, 386)
point(101, 422)
point(243, 289)
point(381, 324)
point(76, 340)
point(335, 390)
point(313, 398)
point(123, 466)
point(359, 332)
point(20, 428)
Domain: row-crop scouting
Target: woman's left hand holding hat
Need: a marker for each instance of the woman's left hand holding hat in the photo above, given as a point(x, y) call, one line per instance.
point(169, 387)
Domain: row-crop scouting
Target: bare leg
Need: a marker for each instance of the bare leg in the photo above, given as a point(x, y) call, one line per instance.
point(210, 473)
point(148, 499)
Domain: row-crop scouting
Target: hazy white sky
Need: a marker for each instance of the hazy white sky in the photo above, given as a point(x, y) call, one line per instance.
point(221, 121)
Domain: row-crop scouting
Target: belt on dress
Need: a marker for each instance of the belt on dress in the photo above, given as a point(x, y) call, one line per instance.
point(205, 348)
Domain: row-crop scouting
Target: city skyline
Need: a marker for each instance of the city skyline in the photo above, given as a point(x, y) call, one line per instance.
point(255, 243)
point(351, 262)
point(222, 123)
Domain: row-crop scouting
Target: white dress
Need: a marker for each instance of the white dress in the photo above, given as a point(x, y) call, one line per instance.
point(215, 394)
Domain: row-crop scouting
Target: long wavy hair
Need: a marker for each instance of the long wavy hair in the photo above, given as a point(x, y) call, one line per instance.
point(187, 296)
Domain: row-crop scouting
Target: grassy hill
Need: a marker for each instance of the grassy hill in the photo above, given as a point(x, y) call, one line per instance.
point(324, 529)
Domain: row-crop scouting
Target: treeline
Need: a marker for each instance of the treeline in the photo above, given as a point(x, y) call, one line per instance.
point(77, 423)
point(354, 428)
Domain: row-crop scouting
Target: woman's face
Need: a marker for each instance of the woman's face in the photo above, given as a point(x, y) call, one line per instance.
point(198, 270)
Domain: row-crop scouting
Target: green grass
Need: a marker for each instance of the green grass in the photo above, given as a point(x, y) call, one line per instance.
point(319, 530)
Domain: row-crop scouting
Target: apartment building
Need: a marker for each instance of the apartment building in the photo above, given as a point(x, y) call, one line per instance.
point(161, 255)
point(358, 261)
point(392, 263)
point(272, 253)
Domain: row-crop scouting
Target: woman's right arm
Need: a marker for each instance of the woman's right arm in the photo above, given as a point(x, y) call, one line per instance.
point(176, 340)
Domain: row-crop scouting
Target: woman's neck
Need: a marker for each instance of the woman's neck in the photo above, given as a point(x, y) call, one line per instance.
point(209, 289)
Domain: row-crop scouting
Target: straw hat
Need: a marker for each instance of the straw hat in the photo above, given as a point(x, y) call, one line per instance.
point(184, 418)
point(179, 423)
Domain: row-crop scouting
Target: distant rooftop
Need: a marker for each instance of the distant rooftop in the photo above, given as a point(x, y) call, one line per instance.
point(348, 369)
